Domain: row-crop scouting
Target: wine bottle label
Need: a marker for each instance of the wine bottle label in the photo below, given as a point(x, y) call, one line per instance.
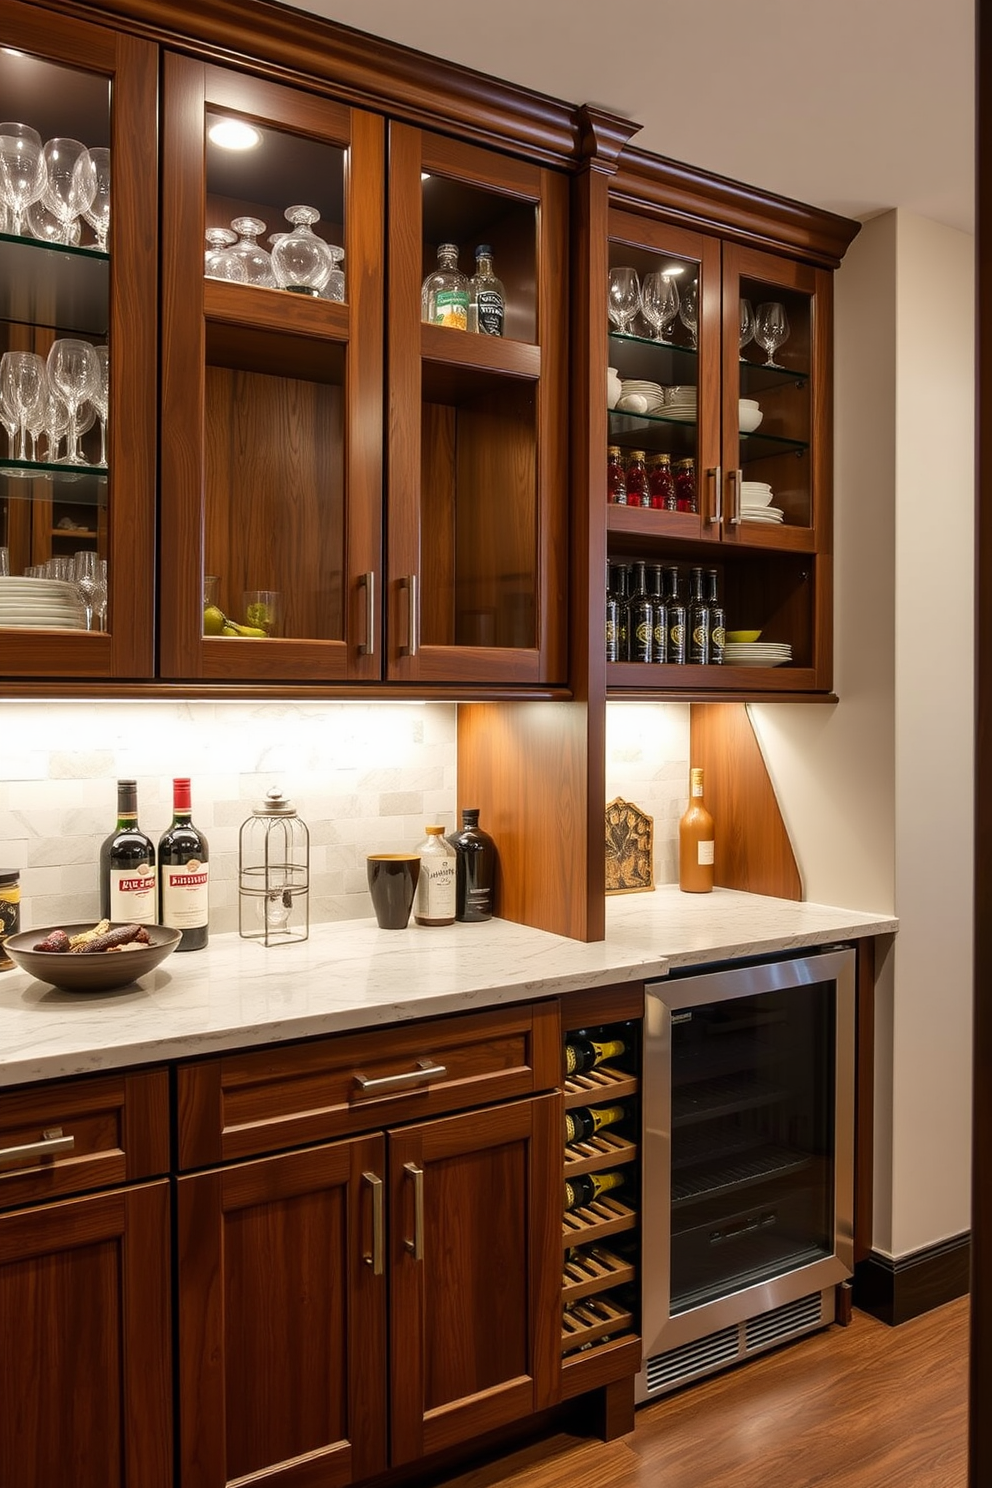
point(451, 308)
point(436, 888)
point(132, 895)
point(676, 642)
point(185, 894)
point(704, 853)
point(574, 1061)
point(490, 312)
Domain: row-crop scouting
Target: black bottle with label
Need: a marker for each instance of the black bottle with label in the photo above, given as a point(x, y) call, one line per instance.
point(475, 869)
point(699, 622)
point(640, 618)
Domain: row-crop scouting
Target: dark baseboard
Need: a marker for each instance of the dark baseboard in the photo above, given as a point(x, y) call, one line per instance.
point(897, 1290)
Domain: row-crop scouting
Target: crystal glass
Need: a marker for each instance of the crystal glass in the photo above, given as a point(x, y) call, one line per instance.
point(71, 181)
point(746, 325)
point(100, 595)
point(219, 262)
point(771, 329)
point(659, 302)
point(4, 563)
point(689, 312)
point(24, 386)
point(334, 288)
point(97, 214)
point(258, 263)
point(23, 174)
point(56, 424)
point(44, 225)
point(100, 397)
point(74, 373)
point(84, 580)
point(624, 298)
point(301, 261)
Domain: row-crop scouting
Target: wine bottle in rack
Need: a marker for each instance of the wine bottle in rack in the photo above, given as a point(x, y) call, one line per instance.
point(583, 1053)
point(586, 1187)
point(588, 1120)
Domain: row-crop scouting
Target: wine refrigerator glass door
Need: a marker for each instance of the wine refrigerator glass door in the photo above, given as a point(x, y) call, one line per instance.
point(748, 1132)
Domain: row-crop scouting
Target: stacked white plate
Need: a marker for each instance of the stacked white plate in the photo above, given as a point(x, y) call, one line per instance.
point(40, 604)
point(680, 403)
point(637, 387)
point(757, 653)
point(768, 516)
point(756, 504)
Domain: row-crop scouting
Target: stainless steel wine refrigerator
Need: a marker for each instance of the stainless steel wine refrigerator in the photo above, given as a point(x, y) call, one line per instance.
point(748, 1190)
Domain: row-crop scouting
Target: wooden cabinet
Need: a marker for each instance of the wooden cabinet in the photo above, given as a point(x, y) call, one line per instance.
point(361, 1303)
point(85, 1321)
point(83, 82)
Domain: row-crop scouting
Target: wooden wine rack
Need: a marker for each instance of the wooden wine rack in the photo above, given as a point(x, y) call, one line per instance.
point(596, 1087)
point(589, 1320)
point(603, 1150)
point(594, 1269)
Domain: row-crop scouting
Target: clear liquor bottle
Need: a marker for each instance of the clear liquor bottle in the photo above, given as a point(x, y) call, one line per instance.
point(437, 882)
point(444, 295)
point(486, 297)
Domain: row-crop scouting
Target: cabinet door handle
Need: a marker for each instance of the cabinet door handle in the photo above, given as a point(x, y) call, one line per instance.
point(375, 1260)
point(736, 476)
point(416, 1245)
point(716, 476)
point(367, 648)
point(410, 585)
point(426, 1071)
point(52, 1141)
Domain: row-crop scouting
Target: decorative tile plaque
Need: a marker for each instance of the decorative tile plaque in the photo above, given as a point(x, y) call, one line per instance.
point(629, 848)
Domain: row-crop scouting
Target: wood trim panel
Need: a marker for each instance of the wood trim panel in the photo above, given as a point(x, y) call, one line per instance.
point(897, 1290)
point(602, 1005)
point(753, 851)
point(864, 1097)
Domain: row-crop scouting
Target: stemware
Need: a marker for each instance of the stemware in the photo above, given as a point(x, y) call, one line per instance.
point(23, 172)
point(746, 331)
point(100, 397)
point(84, 580)
point(624, 298)
point(74, 373)
point(689, 312)
point(24, 386)
point(258, 263)
point(334, 288)
point(44, 225)
point(100, 594)
point(71, 184)
point(97, 214)
point(771, 329)
point(219, 262)
point(56, 424)
point(302, 261)
point(659, 302)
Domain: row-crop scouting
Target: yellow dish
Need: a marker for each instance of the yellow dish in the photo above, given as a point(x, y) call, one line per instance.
point(743, 635)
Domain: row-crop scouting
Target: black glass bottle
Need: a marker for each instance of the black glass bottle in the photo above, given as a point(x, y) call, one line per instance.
point(612, 617)
point(640, 617)
point(475, 869)
point(127, 866)
point(699, 621)
point(656, 589)
point(718, 618)
point(677, 630)
point(184, 873)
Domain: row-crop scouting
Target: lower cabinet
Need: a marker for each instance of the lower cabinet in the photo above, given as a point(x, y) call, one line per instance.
point(365, 1302)
point(85, 1335)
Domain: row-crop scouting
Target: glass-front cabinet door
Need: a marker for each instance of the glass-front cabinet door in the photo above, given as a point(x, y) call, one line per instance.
point(478, 456)
point(272, 382)
point(77, 348)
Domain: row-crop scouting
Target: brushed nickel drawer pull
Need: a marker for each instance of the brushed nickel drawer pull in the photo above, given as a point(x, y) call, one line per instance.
point(716, 476)
point(416, 1245)
point(736, 477)
point(410, 585)
point(375, 1260)
point(367, 648)
point(426, 1071)
point(52, 1141)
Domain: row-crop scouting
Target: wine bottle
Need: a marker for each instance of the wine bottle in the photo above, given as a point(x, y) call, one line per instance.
point(699, 621)
point(718, 634)
point(182, 858)
point(127, 866)
point(656, 589)
point(436, 884)
point(612, 618)
point(676, 612)
point(640, 618)
point(696, 841)
point(588, 1120)
point(475, 869)
point(583, 1053)
point(588, 1186)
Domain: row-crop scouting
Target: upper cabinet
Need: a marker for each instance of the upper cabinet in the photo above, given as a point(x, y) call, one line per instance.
point(78, 265)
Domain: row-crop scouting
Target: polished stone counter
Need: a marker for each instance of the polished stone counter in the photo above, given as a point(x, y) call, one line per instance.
point(237, 994)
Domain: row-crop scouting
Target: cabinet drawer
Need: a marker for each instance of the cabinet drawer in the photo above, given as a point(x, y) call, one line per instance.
point(243, 1104)
point(73, 1135)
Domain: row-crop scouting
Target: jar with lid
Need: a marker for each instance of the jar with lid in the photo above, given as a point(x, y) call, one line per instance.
point(435, 902)
point(685, 486)
point(638, 491)
point(10, 910)
point(301, 261)
point(616, 480)
point(661, 483)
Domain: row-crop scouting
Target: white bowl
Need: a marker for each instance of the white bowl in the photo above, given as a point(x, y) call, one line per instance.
point(749, 419)
point(633, 403)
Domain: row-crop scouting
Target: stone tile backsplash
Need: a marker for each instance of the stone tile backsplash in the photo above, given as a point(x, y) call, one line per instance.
point(364, 777)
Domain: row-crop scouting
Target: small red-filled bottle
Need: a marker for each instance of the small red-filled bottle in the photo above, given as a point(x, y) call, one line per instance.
point(685, 486)
point(616, 481)
point(662, 483)
point(638, 490)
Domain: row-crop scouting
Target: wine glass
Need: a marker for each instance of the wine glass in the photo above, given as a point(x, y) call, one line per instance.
point(100, 397)
point(46, 227)
point(302, 261)
point(23, 174)
point(74, 373)
point(746, 332)
point(771, 329)
point(689, 312)
point(219, 262)
point(71, 181)
point(24, 385)
point(334, 288)
point(100, 594)
point(84, 580)
point(56, 424)
point(258, 263)
point(659, 302)
point(624, 299)
point(97, 214)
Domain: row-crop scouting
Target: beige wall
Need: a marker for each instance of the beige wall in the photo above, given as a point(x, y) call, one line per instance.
point(877, 791)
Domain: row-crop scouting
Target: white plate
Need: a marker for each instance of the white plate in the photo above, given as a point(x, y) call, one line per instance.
point(54, 588)
point(41, 625)
point(757, 661)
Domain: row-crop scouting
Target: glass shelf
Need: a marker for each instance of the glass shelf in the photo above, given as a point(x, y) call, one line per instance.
point(81, 485)
point(641, 356)
point(50, 284)
point(757, 378)
point(759, 446)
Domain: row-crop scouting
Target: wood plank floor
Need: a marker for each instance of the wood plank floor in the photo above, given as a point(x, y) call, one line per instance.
point(866, 1406)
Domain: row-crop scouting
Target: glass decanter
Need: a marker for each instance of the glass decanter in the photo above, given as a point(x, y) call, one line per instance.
point(219, 261)
point(258, 263)
point(334, 289)
point(301, 261)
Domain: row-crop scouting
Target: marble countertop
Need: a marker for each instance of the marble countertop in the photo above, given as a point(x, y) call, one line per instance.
point(236, 993)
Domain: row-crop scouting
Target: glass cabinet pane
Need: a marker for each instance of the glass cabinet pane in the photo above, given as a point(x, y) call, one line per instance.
point(775, 417)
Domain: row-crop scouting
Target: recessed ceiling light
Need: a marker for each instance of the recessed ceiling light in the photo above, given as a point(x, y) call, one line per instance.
point(672, 269)
point(233, 134)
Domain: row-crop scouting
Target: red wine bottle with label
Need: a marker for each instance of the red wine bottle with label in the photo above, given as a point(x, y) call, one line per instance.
point(127, 866)
point(182, 862)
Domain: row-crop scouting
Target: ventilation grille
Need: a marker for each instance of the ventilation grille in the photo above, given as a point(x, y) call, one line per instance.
point(699, 1357)
point(783, 1322)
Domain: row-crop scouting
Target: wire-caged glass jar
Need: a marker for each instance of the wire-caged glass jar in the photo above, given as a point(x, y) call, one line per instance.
point(274, 873)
